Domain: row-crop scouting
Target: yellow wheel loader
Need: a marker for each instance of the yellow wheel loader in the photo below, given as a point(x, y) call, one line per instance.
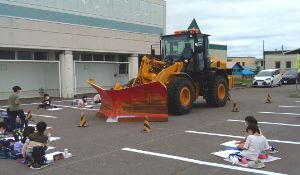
point(169, 83)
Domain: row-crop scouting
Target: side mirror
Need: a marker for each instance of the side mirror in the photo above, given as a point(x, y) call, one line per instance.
point(153, 52)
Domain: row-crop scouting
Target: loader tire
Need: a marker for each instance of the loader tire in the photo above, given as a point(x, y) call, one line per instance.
point(217, 92)
point(181, 95)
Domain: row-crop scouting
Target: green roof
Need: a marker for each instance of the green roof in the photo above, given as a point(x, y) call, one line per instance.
point(217, 47)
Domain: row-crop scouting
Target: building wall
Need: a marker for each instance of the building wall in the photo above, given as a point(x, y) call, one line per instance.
point(104, 27)
point(101, 26)
point(273, 58)
point(244, 61)
point(218, 51)
point(30, 76)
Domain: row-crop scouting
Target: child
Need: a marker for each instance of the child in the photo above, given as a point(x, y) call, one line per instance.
point(82, 102)
point(249, 120)
point(46, 103)
point(5, 144)
point(97, 99)
point(15, 110)
point(17, 148)
point(255, 143)
point(36, 145)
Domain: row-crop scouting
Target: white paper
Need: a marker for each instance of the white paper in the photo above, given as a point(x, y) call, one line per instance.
point(225, 154)
point(54, 109)
point(230, 143)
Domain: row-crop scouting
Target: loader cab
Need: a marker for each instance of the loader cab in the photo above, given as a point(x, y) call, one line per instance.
point(190, 47)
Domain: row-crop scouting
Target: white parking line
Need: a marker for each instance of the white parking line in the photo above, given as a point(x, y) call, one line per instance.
point(202, 162)
point(39, 115)
point(280, 106)
point(297, 101)
point(278, 113)
point(74, 107)
point(268, 123)
point(240, 137)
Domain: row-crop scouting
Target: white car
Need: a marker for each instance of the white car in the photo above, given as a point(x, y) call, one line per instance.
point(269, 78)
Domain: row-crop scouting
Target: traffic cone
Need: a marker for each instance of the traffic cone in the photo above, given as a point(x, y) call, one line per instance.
point(235, 107)
point(82, 122)
point(269, 99)
point(229, 97)
point(146, 125)
point(29, 116)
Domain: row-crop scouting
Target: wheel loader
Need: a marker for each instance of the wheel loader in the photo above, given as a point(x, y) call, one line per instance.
point(170, 82)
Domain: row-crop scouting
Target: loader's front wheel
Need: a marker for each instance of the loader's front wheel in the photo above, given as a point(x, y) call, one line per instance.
point(181, 94)
point(217, 92)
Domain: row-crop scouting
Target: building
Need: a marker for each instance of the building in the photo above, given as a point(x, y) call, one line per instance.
point(283, 60)
point(218, 51)
point(243, 61)
point(236, 68)
point(55, 46)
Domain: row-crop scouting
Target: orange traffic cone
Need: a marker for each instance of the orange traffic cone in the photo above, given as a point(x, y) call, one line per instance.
point(83, 121)
point(29, 116)
point(269, 99)
point(147, 125)
point(235, 107)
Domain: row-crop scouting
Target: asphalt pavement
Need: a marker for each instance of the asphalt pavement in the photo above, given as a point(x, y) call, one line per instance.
point(182, 146)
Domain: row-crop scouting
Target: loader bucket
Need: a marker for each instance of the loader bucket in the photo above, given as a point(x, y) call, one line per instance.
point(134, 103)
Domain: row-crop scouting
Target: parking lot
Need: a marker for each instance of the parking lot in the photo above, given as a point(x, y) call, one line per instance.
point(181, 146)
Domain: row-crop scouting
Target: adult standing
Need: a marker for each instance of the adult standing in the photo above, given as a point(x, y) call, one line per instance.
point(14, 109)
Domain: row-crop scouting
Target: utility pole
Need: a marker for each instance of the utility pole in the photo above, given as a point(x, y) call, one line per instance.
point(264, 58)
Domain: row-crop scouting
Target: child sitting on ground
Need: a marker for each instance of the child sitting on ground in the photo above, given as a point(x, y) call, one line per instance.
point(6, 145)
point(97, 99)
point(36, 145)
point(254, 145)
point(82, 102)
point(17, 147)
point(249, 120)
point(46, 103)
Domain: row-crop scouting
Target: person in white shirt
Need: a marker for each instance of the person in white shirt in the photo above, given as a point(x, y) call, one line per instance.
point(97, 99)
point(255, 143)
point(82, 102)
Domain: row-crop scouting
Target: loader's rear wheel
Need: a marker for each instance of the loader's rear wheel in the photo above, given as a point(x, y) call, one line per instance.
point(217, 92)
point(181, 94)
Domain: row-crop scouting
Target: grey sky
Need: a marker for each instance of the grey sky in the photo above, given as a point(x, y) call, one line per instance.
point(240, 24)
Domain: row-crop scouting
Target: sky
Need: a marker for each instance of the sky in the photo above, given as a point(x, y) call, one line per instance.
point(242, 25)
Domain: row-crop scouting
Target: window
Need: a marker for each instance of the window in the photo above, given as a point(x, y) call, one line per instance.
point(57, 56)
point(24, 55)
point(40, 55)
point(76, 56)
point(123, 67)
point(7, 55)
point(98, 58)
point(86, 57)
point(243, 63)
point(262, 63)
point(277, 64)
point(288, 64)
point(110, 58)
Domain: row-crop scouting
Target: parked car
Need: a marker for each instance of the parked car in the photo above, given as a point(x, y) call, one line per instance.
point(268, 78)
point(290, 77)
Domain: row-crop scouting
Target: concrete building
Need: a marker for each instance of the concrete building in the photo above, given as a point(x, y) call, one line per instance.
point(282, 60)
point(243, 61)
point(55, 46)
point(218, 51)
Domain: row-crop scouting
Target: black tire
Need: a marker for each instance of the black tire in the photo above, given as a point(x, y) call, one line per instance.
point(175, 105)
point(212, 98)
